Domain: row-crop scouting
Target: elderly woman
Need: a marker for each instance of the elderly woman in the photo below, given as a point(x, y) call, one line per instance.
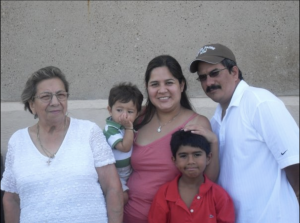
point(61, 169)
point(167, 110)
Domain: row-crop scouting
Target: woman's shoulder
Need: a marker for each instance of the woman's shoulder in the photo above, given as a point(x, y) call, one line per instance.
point(197, 119)
point(19, 137)
point(82, 122)
point(20, 133)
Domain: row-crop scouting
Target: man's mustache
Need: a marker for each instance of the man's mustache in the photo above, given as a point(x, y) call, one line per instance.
point(212, 87)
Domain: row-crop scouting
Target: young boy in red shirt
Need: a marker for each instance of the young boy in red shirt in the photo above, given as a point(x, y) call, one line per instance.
point(191, 196)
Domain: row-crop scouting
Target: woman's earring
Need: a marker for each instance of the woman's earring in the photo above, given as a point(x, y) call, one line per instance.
point(35, 116)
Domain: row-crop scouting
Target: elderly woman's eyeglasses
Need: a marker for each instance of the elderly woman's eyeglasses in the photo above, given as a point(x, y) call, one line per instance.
point(47, 96)
point(214, 73)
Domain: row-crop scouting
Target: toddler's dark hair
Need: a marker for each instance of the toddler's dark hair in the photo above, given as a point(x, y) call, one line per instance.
point(125, 92)
point(182, 138)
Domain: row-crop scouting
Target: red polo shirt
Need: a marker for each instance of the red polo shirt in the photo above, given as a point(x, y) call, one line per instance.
point(211, 205)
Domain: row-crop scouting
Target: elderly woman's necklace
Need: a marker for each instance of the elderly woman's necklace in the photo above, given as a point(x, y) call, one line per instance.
point(163, 124)
point(50, 155)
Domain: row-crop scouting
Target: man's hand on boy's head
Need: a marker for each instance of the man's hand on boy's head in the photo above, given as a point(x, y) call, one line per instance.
point(207, 133)
point(125, 122)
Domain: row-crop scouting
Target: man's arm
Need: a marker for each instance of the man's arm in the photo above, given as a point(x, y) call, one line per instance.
point(292, 173)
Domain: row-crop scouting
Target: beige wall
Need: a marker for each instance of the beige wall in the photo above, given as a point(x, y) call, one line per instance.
point(98, 43)
point(13, 116)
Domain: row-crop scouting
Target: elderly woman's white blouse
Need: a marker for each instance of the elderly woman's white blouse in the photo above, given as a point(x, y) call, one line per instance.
point(67, 190)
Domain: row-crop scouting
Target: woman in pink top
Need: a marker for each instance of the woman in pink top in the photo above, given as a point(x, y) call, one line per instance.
point(167, 110)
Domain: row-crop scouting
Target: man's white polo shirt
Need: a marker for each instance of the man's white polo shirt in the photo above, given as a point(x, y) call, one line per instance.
point(257, 139)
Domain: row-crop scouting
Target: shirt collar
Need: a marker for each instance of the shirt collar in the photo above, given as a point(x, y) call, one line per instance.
point(235, 100)
point(238, 93)
point(173, 192)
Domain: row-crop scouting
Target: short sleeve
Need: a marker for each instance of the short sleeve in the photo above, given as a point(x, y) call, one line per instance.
point(113, 135)
point(279, 130)
point(8, 182)
point(224, 206)
point(159, 210)
point(101, 150)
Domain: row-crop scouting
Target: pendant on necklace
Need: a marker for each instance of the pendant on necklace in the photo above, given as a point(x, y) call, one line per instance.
point(50, 159)
point(49, 162)
point(159, 129)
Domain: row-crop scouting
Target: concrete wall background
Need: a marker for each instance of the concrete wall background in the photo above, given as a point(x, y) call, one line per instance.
point(13, 116)
point(97, 43)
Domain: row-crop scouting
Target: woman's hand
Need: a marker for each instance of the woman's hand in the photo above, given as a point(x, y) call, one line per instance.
point(199, 130)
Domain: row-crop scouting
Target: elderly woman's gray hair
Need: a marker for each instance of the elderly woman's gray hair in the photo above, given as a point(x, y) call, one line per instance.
point(38, 76)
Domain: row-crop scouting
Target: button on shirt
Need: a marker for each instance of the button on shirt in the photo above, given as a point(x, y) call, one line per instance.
point(212, 204)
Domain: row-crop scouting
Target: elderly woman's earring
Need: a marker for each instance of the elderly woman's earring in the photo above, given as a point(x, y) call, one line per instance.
point(35, 116)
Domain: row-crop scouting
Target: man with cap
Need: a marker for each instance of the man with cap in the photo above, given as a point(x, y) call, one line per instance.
point(258, 141)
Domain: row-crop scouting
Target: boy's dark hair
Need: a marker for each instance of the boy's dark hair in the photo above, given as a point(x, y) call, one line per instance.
point(182, 138)
point(126, 92)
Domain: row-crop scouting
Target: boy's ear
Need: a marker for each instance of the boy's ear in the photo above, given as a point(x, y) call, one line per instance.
point(173, 158)
point(109, 109)
point(208, 158)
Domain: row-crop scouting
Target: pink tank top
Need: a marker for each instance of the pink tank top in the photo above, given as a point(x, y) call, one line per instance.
point(152, 167)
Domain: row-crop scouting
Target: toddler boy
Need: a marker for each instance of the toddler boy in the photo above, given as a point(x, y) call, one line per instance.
point(124, 104)
point(191, 196)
